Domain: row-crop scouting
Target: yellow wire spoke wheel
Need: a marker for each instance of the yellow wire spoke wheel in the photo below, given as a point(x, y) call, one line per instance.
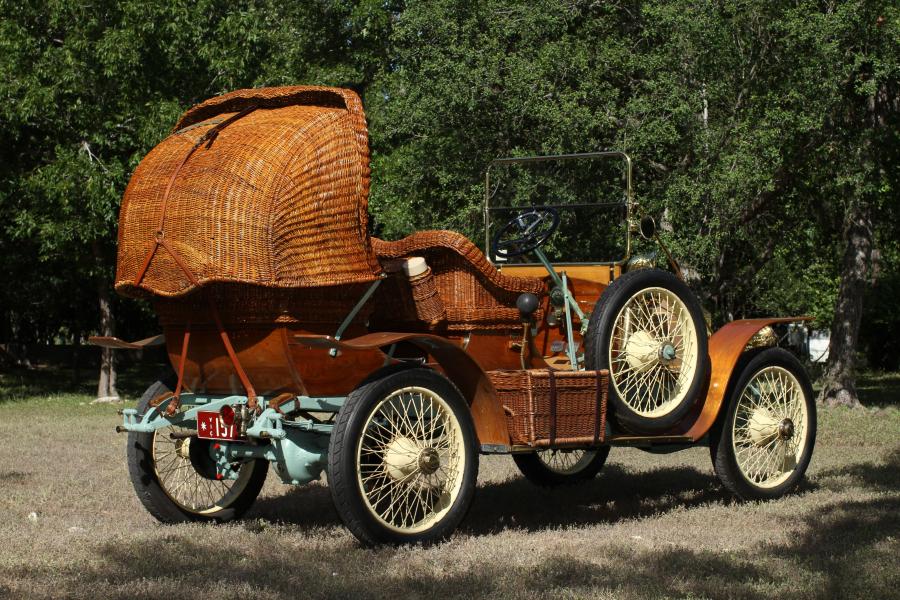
point(174, 476)
point(769, 429)
point(180, 479)
point(411, 457)
point(653, 352)
point(647, 330)
point(402, 458)
point(561, 466)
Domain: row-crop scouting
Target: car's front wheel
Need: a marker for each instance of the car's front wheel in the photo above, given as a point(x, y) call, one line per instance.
point(764, 443)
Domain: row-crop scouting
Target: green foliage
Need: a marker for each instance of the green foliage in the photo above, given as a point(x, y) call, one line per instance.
point(743, 120)
point(748, 121)
point(90, 87)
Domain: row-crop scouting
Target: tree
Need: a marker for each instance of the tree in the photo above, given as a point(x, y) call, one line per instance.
point(90, 87)
point(764, 133)
point(864, 124)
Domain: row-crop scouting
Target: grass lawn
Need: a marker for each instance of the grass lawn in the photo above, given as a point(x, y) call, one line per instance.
point(650, 526)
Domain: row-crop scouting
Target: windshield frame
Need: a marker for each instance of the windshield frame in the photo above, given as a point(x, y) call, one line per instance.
point(629, 202)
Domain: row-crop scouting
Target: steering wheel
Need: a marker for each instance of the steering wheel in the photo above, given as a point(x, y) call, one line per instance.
point(525, 232)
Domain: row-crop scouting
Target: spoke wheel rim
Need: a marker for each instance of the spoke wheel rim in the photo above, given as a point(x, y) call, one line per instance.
point(653, 352)
point(770, 427)
point(410, 460)
point(566, 462)
point(181, 482)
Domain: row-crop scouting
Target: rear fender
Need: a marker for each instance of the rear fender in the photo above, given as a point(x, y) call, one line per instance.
point(725, 349)
point(460, 368)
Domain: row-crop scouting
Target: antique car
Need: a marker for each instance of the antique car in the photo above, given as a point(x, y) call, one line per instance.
point(298, 339)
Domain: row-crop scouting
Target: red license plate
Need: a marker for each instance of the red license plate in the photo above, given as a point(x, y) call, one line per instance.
point(210, 426)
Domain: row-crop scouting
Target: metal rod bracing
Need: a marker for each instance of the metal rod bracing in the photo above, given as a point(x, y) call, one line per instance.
point(570, 349)
point(630, 205)
point(560, 283)
point(354, 311)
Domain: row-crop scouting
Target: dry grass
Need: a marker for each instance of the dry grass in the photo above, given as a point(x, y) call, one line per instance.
point(649, 527)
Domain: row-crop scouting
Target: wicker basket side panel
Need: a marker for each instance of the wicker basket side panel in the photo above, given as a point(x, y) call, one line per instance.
point(576, 405)
point(514, 395)
point(580, 411)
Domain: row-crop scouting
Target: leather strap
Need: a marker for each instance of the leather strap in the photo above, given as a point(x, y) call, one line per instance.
point(226, 341)
point(552, 381)
point(176, 402)
point(160, 399)
point(208, 138)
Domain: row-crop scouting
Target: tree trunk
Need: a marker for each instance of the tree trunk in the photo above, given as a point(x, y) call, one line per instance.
point(106, 388)
point(839, 387)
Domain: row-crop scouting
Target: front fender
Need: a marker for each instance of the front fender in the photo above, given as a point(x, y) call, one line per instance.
point(725, 348)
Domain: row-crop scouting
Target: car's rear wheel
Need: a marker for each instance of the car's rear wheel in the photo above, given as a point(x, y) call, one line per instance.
point(174, 475)
point(402, 459)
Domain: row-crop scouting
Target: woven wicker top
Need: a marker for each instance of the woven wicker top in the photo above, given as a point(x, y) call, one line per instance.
point(277, 198)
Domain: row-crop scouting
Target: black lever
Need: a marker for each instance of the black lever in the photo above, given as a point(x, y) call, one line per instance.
point(527, 303)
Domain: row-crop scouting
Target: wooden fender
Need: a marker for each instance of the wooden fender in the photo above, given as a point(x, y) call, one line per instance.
point(725, 348)
point(460, 368)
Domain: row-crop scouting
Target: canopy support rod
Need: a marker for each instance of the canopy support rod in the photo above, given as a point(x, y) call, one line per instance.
point(355, 311)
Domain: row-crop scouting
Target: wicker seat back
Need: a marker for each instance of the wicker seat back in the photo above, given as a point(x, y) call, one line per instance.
point(473, 293)
point(266, 187)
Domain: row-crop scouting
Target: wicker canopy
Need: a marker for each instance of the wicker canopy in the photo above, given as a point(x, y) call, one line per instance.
point(267, 186)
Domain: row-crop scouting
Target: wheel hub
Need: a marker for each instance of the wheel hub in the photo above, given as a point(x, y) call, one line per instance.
point(429, 461)
point(183, 448)
point(642, 351)
point(401, 457)
point(786, 429)
point(666, 353)
point(763, 427)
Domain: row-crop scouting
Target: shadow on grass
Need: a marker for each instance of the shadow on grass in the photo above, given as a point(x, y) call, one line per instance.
point(834, 551)
point(613, 496)
point(14, 477)
point(520, 505)
point(879, 390)
point(884, 476)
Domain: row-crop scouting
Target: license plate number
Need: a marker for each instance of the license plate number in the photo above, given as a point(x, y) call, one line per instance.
point(210, 426)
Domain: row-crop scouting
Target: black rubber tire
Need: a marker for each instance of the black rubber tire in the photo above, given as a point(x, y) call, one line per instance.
point(721, 437)
point(596, 346)
point(537, 472)
point(146, 483)
point(342, 461)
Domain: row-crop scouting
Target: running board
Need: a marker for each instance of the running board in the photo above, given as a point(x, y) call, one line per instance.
point(648, 440)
